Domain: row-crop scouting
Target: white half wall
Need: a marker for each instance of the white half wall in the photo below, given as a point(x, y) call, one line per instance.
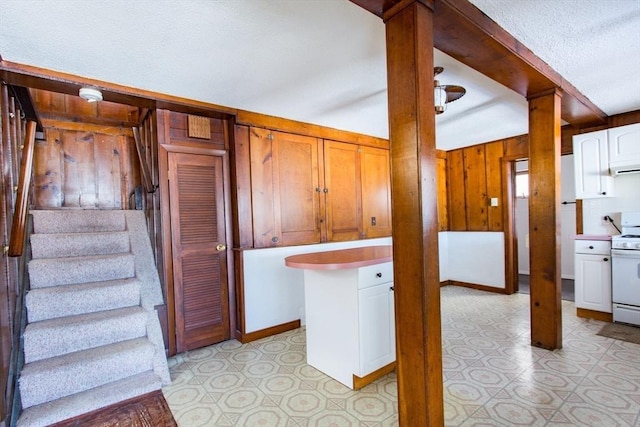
point(273, 292)
point(475, 257)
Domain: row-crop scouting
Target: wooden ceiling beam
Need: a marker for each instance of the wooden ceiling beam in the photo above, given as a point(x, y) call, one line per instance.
point(464, 32)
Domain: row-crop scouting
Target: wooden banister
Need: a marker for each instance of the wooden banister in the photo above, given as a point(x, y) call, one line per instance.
point(144, 167)
point(19, 226)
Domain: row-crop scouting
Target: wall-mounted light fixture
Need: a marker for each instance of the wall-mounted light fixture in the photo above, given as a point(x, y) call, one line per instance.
point(90, 94)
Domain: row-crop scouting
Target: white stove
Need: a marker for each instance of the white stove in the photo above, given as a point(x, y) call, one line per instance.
point(625, 270)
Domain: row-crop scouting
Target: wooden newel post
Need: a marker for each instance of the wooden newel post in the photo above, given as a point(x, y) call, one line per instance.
point(409, 32)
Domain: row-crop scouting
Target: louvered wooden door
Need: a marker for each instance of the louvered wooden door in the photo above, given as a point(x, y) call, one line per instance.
point(199, 250)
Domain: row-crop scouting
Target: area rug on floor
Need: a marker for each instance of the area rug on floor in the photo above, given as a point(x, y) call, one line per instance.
point(150, 410)
point(621, 332)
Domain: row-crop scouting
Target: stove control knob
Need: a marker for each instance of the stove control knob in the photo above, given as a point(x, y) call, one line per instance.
point(625, 244)
point(637, 245)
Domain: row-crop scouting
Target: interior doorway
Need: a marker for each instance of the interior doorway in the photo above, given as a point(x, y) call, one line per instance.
point(567, 225)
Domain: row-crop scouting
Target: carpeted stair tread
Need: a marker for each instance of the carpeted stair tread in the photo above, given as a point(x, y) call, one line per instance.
point(71, 406)
point(67, 271)
point(68, 300)
point(77, 221)
point(78, 244)
point(55, 337)
point(60, 376)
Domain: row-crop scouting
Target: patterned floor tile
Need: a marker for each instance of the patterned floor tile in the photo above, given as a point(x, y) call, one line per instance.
point(492, 376)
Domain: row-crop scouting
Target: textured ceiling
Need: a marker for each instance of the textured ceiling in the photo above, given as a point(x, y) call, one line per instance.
point(320, 62)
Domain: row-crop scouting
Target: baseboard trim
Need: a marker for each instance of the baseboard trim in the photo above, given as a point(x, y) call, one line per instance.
point(267, 332)
point(478, 287)
point(592, 314)
point(358, 382)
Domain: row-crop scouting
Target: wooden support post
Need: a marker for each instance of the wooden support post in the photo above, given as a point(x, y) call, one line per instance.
point(409, 34)
point(544, 219)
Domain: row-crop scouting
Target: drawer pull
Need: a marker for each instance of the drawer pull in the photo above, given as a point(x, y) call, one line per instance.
point(378, 274)
point(606, 259)
point(391, 289)
point(590, 247)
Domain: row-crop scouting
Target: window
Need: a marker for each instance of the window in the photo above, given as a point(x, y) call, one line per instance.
point(522, 184)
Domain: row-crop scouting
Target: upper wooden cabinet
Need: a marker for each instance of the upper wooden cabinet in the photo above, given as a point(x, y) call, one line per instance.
point(305, 190)
point(284, 188)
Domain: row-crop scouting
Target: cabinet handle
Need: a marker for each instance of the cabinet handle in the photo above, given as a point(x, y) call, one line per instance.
point(606, 259)
point(391, 289)
point(590, 247)
point(604, 193)
point(378, 274)
point(274, 239)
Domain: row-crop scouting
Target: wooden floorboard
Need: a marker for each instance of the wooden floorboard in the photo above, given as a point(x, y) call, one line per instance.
point(149, 410)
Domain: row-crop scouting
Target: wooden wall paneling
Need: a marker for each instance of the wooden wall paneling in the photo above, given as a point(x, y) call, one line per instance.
point(376, 192)
point(131, 174)
point(517, 147)
point(16, 142)
point(179, 123)
point(494, 152)
point(166, 254)
point(262, 189)
point(441, 188)
point(79, 172)
point(475, 184)
point(544, 220)
point(238, 261)
point(48, 171)
point(108, 172)
point(456, 199)
point(409, 41)
point(241, 188)
point(342, 192)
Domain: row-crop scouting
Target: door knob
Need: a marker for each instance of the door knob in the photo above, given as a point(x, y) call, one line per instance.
point(221, 247)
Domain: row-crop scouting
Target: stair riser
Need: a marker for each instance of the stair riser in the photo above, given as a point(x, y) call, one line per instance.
point(60, 301)
point(47, 414)
point(69, 378)
point(78, 244)
point(61, 271)
point(78, 221)
point(41, 343)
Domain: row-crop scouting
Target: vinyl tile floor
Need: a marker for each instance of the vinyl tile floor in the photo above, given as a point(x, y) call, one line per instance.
point(492, 376)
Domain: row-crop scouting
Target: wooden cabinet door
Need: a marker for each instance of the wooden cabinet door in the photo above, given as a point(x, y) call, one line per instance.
point(376, 192)
point(284, 184)
point(196, 194)
point(342, 190)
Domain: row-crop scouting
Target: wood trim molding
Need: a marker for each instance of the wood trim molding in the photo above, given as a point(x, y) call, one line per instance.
point(307, 129)
point(592, 314)
point(360, 382)
point(478, 287)
point(267, 332)
point(55, 81)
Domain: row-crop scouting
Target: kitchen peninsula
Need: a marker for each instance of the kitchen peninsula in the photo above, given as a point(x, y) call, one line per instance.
point(349, 310)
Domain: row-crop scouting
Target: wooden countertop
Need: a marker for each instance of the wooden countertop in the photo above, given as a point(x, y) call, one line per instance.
point(341, 259)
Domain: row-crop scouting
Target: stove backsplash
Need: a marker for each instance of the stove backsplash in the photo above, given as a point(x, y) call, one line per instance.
point(626, 199)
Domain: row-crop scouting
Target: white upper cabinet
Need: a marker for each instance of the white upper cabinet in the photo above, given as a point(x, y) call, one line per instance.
point(591, 157)
point(624, 148)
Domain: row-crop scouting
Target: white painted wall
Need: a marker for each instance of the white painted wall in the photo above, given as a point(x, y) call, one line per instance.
point(475, 257)
point(273, 292)
point(627, 198)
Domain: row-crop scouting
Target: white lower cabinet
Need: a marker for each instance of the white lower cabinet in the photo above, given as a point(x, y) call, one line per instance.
point(593, 275)
point(377, 328)
point(350, 321)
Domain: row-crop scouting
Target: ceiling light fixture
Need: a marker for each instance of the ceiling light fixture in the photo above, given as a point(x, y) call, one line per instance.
point(90, 94)
point(443, 94)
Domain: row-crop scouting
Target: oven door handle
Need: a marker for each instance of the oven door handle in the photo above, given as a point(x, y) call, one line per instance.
point(623, 253)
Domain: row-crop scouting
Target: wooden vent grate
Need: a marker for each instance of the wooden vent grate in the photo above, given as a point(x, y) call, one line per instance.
point(199, 127)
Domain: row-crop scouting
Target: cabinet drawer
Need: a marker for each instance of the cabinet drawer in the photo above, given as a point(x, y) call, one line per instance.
point(602, 247)
point(375, 274)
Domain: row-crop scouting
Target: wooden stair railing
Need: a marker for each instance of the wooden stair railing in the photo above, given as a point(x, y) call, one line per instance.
point(19, 226)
